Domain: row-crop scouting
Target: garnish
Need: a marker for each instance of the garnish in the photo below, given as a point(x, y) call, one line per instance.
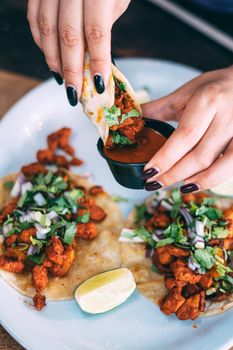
point(70, 232)
point(130, 114)
point(83, 218)
point(120, 139)
point(111, 115)
point(8, 185)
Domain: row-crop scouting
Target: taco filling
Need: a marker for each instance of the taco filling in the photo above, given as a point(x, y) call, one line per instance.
point(48, 212)
point(123, 118)
point(189, 241)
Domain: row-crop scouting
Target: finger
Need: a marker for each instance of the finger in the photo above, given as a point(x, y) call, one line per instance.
point(165, 108)
point(48, 26)
point(194, 122)
point(98, 35)
point(201, 157)
point(72, 46)
point(32, 16)
point(216, 174)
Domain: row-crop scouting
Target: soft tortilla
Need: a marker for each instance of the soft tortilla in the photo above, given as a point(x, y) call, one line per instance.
point(91, 257)
point(151, 284)
point(94, 103)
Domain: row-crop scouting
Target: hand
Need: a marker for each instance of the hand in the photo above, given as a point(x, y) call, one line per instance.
point(200, 151)
point(63, 29)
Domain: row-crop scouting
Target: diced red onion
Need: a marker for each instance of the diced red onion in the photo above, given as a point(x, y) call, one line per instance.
point(27, 186)
point(32, 250)
point(155, 237)
point(7, 228)
point(198, 242)
point(149, 251)
point(159, 232)
point(16, 190)
point(166, 205)
point(39, 199)
point(199, 227)
point(25, 217)
point(193, 265)
point(186, 215)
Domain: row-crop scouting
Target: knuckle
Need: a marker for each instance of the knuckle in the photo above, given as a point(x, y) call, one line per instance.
point(188, 131)
point(95, 32)
point(69, 36)
point(202, 160)
point(101, 61)
point(70, 70)
point(211, 92)
point(44, 26)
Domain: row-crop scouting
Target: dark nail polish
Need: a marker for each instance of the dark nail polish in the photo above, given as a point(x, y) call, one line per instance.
point(149, 173)
point(57, 77)
point(189, 188)
point(72, 95)
point(99, 83)
point(153, 186)
point(113, 60)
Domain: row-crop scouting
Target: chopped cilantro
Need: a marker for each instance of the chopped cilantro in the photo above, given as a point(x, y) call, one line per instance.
point(38, 243)
point(132, 113)
point(142, 233)
point(154, 269)
point(140, 213)
point(204, 257)
point(111, 115)
point(219, 232)
point(9, 185)
point(83, 218)
point(120, 139)
point(70, 232)
point(122, 86)
point(164, 242)
point(37, 258)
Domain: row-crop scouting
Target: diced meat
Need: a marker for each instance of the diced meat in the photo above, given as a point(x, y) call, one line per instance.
point(159, 220)
point(202, 301)
point(228, 243)
point(33, 169)
point(184, 273)
point(164, 257)
point(16, 252)
point(11, 264)
point(59, 139)
point(47, 262)
point(76, 161)
point(177, 251)
point(55, 251)
point(190, 289)
point(8, 209)
point(86, 202)
point(8, 241)
point(206, 281)
point(39, 301)
point(61, 161)
point(86, 231)
point(97, 213)
point(214, 242)
point(157, 263)
point(39, 277)
point(69, 150)
point(190, 308)
point(95, 190)
point(172, 302)
point(68, 258)
point(170, 282)
point(25, 235)
point(132, 131)
point(194, 197)
point(45, 156)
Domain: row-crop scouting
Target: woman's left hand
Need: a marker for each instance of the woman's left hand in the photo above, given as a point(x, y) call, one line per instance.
point(200, 151)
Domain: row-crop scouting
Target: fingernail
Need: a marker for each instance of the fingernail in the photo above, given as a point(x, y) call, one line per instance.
point(149, 173)
point(57, 77)
point(99, 83)
point(72, 95)
point(189, 188)
point(153, 186)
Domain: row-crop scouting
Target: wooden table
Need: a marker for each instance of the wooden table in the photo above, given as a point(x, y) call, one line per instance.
point(12, 87)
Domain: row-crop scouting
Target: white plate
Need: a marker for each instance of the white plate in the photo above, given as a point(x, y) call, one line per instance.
point(137, 324)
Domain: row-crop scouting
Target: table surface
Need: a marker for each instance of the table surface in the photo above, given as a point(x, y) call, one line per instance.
point(144, 31)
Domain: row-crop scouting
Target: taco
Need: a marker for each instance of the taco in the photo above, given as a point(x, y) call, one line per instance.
point(180, 250)
point(57, 229)
point(116, 113)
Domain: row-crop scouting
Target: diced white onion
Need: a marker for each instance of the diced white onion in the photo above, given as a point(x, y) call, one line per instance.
point(41, 231)
point(166, 205)
point(193, 265)
point(39, 199)
point(155, 237)
point(16, 190)
point(199, 227)
point(25, 218)
point(52, 215)
point(27, 186)
point(199, 245)
point(7, 228)
point(210, 291)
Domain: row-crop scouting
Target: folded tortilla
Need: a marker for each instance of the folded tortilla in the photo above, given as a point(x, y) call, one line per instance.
point(94, 103)
point(91, 257)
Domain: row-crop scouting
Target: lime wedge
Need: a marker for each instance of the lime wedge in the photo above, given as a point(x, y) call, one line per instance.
point(224, 189)
point(105, 291)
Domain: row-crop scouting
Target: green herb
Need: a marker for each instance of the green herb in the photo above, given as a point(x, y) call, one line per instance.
point(70, 232)
point(155, 269)
point(37, 258)
point(9, 185)
point(204, 257)
point(142, 233)
point(22, 200)
point(55, 227)
point(118, 199)
point(208, 201)
point(73, 196)
point(83, 218)
point(130, 114)
point(177, 202)
point(175, 232)
point(210, 212)
point(38, 243)
point(120, 139)
point(122, 86)
point(42, 218)
point(111, 115)
point(219, 232)
point(140, 213)
point(164, 242)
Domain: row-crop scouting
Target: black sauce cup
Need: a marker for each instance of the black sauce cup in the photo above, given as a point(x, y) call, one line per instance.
point(129, 174)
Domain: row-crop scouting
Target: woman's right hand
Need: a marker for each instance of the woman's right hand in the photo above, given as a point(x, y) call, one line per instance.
point(65, 29)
